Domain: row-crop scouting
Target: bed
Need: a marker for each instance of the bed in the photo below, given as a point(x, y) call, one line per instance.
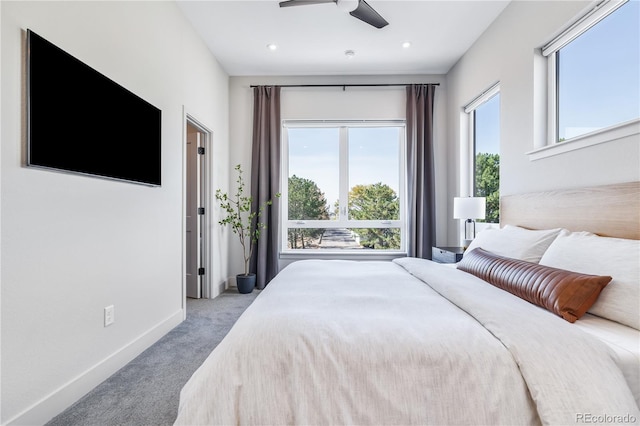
point(504, 337)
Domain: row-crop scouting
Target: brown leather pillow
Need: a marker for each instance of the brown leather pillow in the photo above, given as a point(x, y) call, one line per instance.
point(565, 293)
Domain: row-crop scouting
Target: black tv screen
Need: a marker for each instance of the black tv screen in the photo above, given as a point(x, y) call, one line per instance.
point(80, 121)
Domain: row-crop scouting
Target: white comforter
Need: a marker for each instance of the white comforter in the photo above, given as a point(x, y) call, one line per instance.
point(340, 342)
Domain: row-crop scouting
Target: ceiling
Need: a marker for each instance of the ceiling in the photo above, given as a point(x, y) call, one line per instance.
point(312, 39)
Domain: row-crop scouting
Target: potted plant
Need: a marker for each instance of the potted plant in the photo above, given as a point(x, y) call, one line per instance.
point(244, 223)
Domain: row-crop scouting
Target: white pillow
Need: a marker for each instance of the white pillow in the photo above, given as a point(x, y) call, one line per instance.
point(515, 242)
point(592, 254)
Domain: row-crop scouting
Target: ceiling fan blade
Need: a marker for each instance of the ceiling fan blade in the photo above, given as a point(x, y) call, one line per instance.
point(365, 13)
point(303, 2)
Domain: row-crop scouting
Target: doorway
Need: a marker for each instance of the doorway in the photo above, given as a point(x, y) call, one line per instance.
point(196, 210)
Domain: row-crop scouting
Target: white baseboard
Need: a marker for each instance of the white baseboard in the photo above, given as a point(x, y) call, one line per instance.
point(63, 397)
point(218, 290)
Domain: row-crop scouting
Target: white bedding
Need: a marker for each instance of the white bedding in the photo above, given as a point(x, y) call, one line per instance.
point(340, 342)
point(623, 340)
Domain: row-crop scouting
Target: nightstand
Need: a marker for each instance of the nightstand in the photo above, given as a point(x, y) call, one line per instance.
point(446, 254)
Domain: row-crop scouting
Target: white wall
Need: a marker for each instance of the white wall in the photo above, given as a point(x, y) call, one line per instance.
point(334, 103)
point(506, 52)
point(72, 245)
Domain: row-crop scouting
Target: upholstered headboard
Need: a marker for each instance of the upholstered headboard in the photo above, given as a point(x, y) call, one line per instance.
point(607, 210)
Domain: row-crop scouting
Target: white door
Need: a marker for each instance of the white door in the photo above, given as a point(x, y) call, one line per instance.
point(195, 212)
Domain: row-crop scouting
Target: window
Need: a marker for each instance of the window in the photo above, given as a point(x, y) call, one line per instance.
point(484, 119)
point(343, 186)
point(593, 72)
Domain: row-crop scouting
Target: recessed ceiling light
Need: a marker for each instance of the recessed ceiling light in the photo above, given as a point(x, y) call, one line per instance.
point(406, 44)
point(272, 46)
point(349, 54)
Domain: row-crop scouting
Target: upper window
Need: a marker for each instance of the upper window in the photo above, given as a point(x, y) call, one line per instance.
point(343, 186)
point(593, 72)
point(484, 119)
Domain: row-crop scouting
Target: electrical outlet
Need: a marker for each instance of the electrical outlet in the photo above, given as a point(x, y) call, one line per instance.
point(109, 315)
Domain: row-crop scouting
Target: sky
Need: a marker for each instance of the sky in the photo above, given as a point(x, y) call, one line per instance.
point(373, 152)
point(313, 155)
point(599, 76)
point(487, 122)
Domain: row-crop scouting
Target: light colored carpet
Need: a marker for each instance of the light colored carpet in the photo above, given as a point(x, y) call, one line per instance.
point(146, 391)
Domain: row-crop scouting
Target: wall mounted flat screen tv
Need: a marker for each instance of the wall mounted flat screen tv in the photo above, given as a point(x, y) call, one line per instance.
point(80, 121)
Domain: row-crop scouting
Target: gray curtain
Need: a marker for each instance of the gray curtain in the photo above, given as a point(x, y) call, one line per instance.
point(420, 173)
point(265, 179)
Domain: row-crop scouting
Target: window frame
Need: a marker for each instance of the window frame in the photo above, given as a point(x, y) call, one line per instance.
point(616, 131)
point(344, 221)
point(470, 110)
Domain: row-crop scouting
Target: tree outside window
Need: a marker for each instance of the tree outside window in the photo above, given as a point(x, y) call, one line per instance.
point(486, 132)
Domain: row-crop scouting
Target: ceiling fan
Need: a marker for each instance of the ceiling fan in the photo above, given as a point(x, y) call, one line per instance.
point(363, 11)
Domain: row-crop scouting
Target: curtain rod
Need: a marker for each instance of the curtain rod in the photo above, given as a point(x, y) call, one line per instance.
point(346, 85)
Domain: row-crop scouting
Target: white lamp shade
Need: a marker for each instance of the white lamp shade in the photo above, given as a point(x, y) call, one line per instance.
point(469, 207)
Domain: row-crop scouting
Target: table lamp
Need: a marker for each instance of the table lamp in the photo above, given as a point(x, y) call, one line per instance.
point(469, 208)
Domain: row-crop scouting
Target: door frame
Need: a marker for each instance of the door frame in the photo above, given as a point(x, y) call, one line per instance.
point(207, 143)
